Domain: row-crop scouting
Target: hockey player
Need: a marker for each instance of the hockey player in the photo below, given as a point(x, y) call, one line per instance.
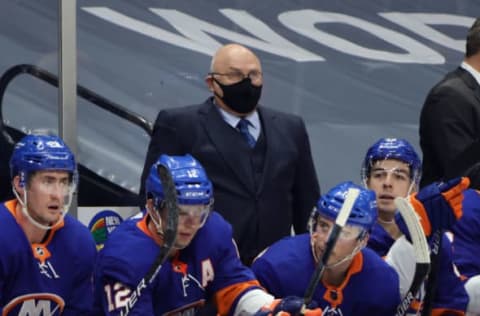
point(203, 263)
point(392, 168)
point(47, 257)
point(356, 281)
point(464, 234)
point(465, 237)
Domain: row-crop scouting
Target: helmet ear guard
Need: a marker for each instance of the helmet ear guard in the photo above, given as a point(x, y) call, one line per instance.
point(362, 235)
point(158, 202)
point(22, 179)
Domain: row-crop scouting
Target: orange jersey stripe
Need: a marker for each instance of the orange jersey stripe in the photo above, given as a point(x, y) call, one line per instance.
point(226, 296)
point(334, 294)
point(40, 251)
point(454, 197)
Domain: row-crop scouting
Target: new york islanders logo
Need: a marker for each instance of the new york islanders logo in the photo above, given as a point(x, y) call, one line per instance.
point(331, 311)
point(36, 304)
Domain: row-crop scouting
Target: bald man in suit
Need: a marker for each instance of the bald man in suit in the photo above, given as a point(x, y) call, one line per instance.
point(258, 159)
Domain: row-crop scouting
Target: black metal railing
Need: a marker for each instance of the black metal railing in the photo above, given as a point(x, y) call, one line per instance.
point(82, 92)
point(94, 190)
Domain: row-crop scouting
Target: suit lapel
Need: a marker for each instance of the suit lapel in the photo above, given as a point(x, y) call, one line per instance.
point(225, 140)
point(267, 120)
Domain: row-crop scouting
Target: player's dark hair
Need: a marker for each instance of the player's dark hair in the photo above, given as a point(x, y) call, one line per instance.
point(473, 39)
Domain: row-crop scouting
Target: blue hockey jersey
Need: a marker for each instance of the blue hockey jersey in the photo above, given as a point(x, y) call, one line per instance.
point(49, 278)
point(370, 287)
point(208, 267)
point(466, 236)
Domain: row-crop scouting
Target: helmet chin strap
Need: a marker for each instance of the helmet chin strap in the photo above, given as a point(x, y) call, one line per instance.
point(158, 226)
point(157, 223)
point(350, 256)
point(31, 219)
point(411, 188)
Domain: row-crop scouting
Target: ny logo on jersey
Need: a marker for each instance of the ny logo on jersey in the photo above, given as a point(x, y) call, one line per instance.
point(187, 278)
point(186, 283)
point(332, 311)
point(37, 304)
point(47, 270)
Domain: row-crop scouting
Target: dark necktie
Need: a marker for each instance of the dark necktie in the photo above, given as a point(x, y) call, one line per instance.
point(243, 128)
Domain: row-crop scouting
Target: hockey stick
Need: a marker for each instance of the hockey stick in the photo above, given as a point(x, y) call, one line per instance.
point(421, 251)
point(433, 275)
point(169, 236)
point(340, 221)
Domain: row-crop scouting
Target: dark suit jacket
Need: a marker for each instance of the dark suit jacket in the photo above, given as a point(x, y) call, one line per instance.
point(450, 128)
point(6, 149)
point(262, 214)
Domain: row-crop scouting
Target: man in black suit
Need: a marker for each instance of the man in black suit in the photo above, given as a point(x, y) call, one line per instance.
point(258, 159)
point(450, 120)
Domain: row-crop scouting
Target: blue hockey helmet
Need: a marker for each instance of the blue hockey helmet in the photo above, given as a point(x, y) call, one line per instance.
point(364, 211)
point(191, 181)
point(392, 148)
point(41, 152)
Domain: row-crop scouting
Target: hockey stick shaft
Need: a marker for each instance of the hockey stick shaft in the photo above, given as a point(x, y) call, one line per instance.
point(421, 251)
point(340, 222)
point(432, 279)
point(169, 236)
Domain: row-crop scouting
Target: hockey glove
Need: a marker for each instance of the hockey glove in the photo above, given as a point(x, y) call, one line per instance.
point(439, 205)
point(289, 306)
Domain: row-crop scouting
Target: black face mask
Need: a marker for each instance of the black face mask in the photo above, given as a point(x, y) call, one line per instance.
point(242, 97)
